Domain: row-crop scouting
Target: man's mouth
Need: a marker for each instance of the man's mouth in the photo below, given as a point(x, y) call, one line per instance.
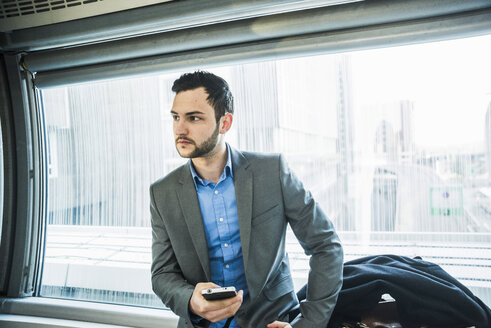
point(184, 141)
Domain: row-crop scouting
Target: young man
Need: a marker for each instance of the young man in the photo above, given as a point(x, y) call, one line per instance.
point(220, 220)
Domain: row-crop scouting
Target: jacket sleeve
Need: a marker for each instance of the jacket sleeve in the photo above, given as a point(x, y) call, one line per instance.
point(315, 233)
point(168, 282)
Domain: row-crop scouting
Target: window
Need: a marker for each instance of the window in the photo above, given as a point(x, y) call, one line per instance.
point(394, 143)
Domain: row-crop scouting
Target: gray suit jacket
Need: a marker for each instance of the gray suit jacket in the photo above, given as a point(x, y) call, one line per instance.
point(269, 196)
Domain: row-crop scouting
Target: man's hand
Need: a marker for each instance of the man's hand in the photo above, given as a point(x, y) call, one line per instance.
point(213, 311)
point(279, 324)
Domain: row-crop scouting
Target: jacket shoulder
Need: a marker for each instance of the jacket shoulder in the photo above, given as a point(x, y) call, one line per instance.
point(263, 163)
point(171, 178)
point(261, 158)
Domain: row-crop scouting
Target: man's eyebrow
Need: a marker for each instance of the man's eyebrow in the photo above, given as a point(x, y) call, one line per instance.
point(194, 113)
point(189, 113)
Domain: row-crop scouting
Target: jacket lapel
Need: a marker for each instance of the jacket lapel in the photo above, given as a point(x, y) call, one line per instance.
point(243, 193)
point(188, 200)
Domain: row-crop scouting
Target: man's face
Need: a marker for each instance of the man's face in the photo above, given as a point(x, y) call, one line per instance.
point(195, 128)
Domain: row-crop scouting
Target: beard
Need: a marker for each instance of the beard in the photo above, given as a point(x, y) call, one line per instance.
point(205, 148)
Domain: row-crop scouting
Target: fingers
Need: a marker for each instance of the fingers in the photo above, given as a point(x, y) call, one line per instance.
point(214, 310)
point(203, 285)
point(228, 310)
point(279, 324)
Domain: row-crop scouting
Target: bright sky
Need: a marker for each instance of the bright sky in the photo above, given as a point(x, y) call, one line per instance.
point(449, 82)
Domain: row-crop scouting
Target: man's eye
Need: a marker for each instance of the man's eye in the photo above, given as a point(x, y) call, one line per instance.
point(175, 117)
point(194, 118)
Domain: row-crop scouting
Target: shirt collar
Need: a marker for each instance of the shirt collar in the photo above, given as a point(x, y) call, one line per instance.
point(227, 171)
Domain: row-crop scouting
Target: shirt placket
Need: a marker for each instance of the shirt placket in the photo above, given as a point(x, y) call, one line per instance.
point(224, 234)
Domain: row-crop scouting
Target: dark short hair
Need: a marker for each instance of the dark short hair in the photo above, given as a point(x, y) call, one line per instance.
point(219, 94)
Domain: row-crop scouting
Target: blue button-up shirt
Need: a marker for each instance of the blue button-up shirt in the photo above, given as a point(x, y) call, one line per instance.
point(218, 206)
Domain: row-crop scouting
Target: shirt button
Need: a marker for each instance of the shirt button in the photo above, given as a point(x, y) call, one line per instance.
point(227, 266)
point(221, 219)
point(226, 245)
point(216, 192)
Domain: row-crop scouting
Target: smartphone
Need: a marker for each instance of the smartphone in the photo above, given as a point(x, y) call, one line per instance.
point(219, 293)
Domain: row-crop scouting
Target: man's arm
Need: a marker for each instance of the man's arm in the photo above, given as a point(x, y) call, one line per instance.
point(168, 282)
point(316, 235)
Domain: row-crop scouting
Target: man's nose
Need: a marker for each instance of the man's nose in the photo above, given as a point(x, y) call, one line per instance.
point(180, 127)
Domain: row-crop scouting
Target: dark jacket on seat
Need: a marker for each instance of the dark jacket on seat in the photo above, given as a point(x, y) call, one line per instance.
point(425, 294)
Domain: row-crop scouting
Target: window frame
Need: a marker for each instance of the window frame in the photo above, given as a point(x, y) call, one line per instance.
point(24, 176)
point(329, 29)
point(24, 212)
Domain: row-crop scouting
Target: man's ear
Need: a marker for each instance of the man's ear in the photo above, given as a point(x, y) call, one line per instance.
point(226, 123)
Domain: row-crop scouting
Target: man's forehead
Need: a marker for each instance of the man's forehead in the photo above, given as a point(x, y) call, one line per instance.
point(187, 109)
point(191, 101)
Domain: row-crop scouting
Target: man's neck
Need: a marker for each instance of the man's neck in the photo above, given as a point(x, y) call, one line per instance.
point(211, 167)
